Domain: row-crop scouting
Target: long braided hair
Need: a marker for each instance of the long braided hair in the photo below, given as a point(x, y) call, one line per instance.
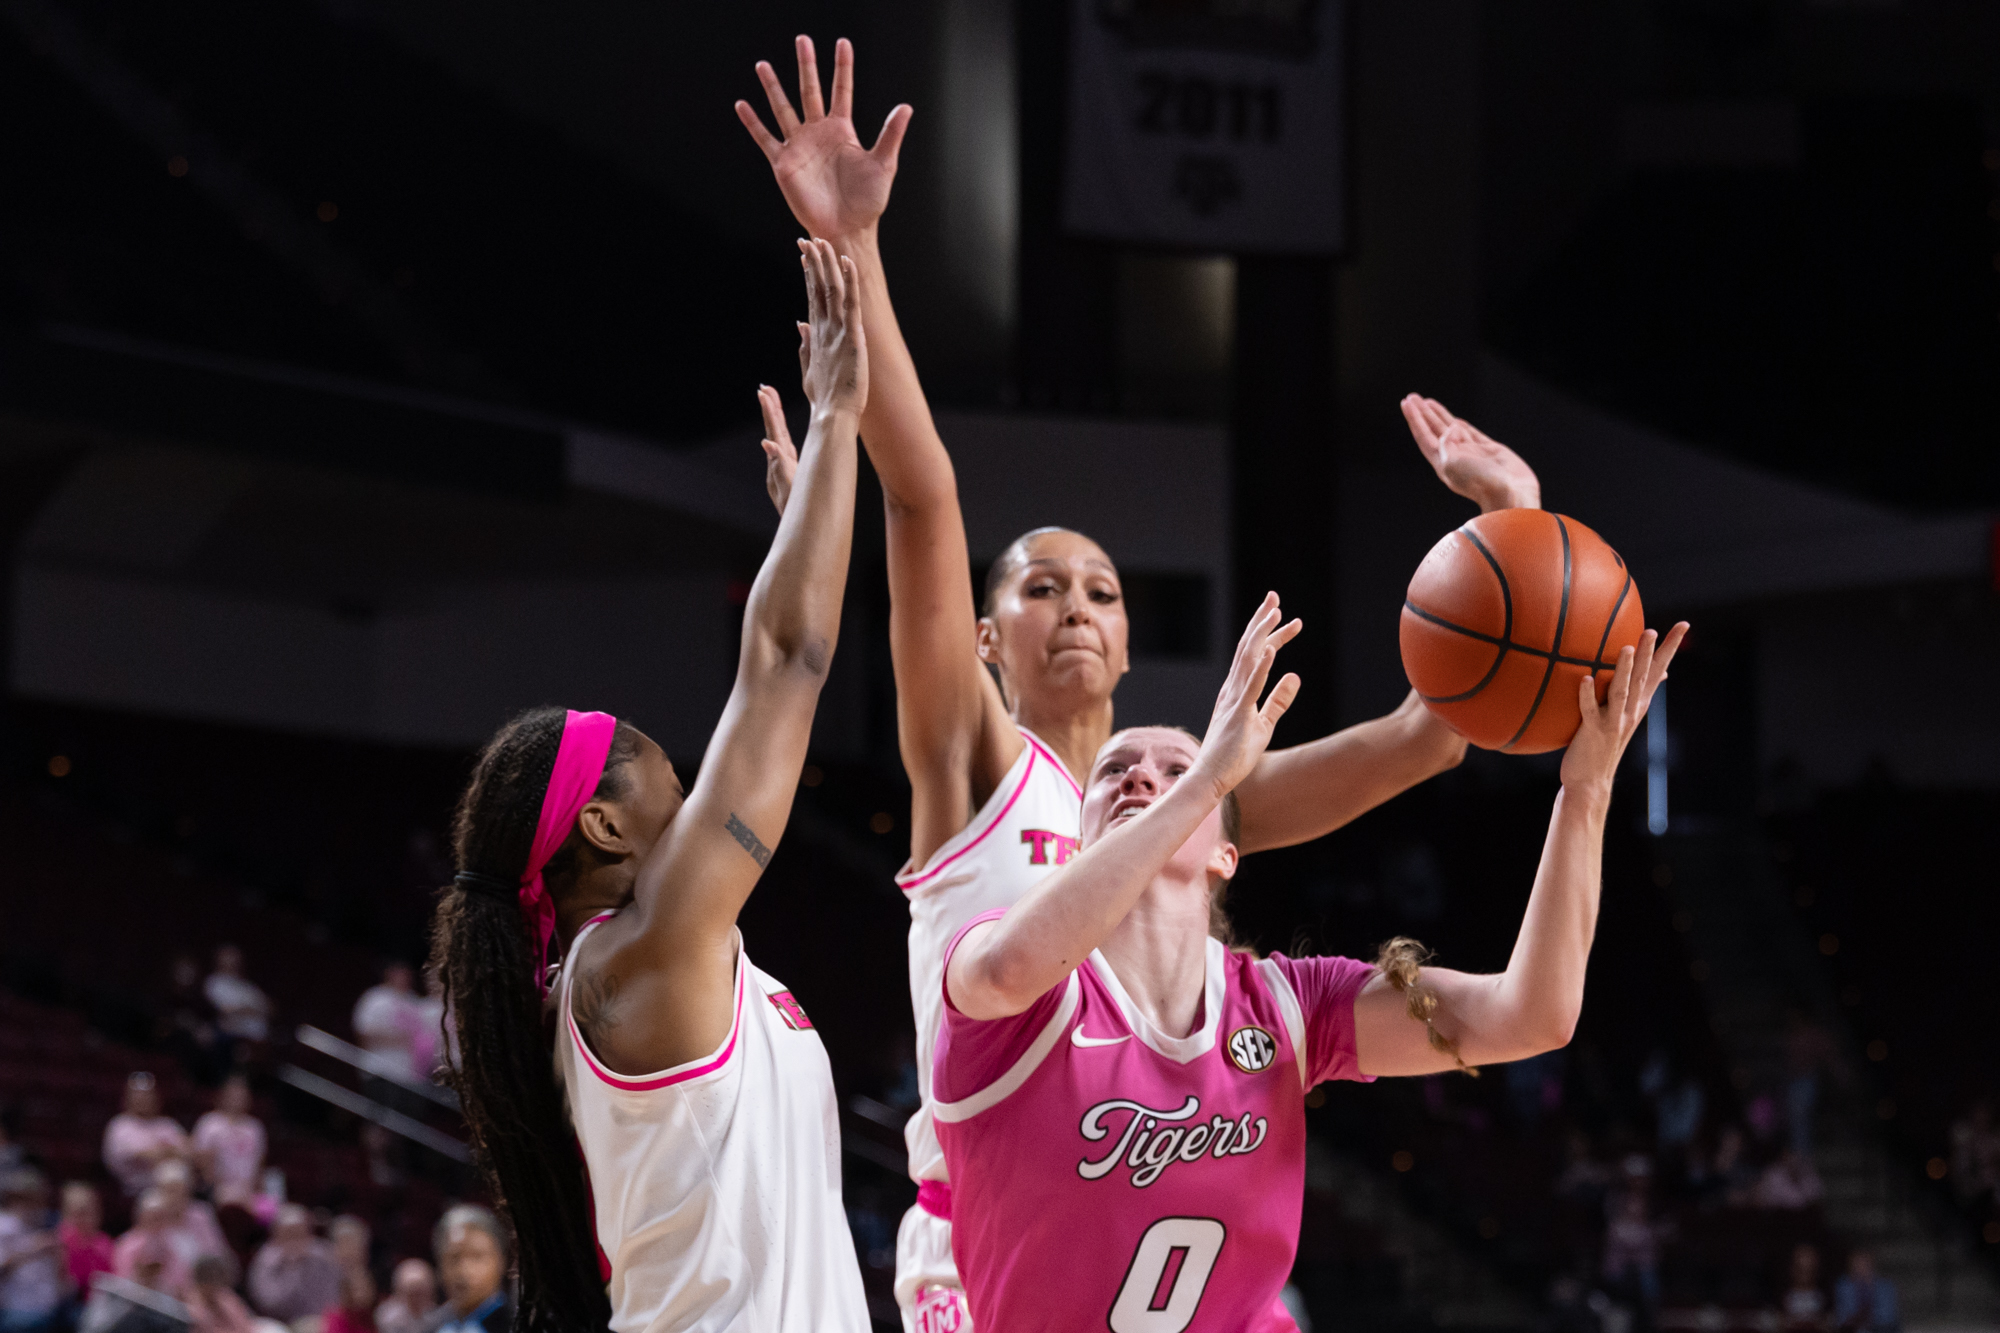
point(504, 1073)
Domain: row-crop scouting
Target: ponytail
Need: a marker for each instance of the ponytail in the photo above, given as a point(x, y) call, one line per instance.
point(1401, 962)
point(505, 1072)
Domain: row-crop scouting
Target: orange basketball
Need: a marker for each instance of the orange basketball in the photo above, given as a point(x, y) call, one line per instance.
point(1506, 615)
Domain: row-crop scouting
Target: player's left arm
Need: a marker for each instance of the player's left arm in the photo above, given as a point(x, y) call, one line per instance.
point(1533, 1006)
point(1307, 791)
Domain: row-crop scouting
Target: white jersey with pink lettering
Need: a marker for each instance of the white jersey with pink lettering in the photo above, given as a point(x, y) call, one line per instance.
point(1106, 1174)
point(1028, 826)
point(716, 1184)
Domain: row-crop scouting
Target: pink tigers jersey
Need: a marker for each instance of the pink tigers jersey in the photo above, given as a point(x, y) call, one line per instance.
point(1105, 1174)
point(1028, 827)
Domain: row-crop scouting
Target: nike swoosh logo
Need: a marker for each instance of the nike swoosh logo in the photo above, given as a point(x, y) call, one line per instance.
point(1077, 1038)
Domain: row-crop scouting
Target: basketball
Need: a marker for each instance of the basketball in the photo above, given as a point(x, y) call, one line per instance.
point(1505, 615)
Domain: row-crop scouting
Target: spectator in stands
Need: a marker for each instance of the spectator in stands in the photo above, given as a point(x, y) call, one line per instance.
point(355, 1311)
point(1728, 1179)
point(190, 1226)
point(215, 1307)
point(387, 1017)
point(412, 1297)
point(33, 1280)
point(145, 1255)
point(86, 1249)
point(1789, 1183)
point(1584, 1180)
point(187, 1027)
point(1632, 1253)
point(139, 1137)
point(1803, 1308)
point(1679, 1109)
point(1864, 1302)
point(1975, 1153)
point(12, 1155)
point(472, 1260)
point(1534, 1086)
point(1569, 1308)
point(1761, 1115)
point(229, 1144)
point(295, 1274)
point(1809, 1053)
point(242, 1010)
point(350, 1238)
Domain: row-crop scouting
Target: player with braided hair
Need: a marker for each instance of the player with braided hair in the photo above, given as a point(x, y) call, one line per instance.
point(690, 1083)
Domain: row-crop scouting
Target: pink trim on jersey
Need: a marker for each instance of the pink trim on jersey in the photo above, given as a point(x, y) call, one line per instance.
point(938, 869)
point(679, 1074)
point(1050, 755)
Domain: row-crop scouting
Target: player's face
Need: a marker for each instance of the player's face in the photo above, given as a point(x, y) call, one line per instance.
point(1058, 624)
point(1136, 768)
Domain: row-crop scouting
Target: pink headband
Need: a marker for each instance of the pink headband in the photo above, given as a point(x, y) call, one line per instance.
point(580, 760)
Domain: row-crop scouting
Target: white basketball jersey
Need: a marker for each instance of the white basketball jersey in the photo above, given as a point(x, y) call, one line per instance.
point(1030, 825)
point(716, 1184)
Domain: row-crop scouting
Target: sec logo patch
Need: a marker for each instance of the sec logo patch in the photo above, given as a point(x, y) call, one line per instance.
point(1252, 1050)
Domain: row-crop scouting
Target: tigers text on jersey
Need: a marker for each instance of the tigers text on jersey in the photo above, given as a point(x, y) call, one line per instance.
point(716, 1184)
point(1105, 1174)
point(1028, 826)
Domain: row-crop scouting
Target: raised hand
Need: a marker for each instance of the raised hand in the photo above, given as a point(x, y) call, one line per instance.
point(1472, 463)
point(1240, 729)
point(1606, 729)
point(834, 186)
point(833, 350)
point(781, 458)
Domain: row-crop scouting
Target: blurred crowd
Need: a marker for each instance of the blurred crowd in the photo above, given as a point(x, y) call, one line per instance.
point(211, 1230)
point(210, 1227)
point(1704, 1179)
point(60, 1268)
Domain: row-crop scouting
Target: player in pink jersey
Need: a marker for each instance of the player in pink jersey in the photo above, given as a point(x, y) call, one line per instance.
point(994, 803)
point(1121, 1098)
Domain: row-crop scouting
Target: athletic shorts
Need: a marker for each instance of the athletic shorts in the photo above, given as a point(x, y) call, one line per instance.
point(927, 1287)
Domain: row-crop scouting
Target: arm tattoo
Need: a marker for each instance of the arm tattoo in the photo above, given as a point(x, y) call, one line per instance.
point(750, 842)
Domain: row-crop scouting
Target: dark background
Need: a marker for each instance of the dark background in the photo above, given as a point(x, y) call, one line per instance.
point(399, 256)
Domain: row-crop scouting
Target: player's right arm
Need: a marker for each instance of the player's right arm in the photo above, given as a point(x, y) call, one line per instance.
point(1533, 1006)
point(672, 953)
point(1002, 967)
point(956, 736)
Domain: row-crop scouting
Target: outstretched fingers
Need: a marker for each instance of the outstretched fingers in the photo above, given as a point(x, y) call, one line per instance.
point(1419, 422)
point(833, 282)
point(1260, 621)
point(851, 287)
point(766, 141)
point(809, 261)
point(843, 79)
point(1619, 696)
point(809, 98)
point(777, 434)
point(1262, 653)
point(889, 143)
point(1654, 673)
point(1282, 694)
point(781, 106)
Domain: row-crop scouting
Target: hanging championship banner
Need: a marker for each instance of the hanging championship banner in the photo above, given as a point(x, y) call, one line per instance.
point(1207, 124)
